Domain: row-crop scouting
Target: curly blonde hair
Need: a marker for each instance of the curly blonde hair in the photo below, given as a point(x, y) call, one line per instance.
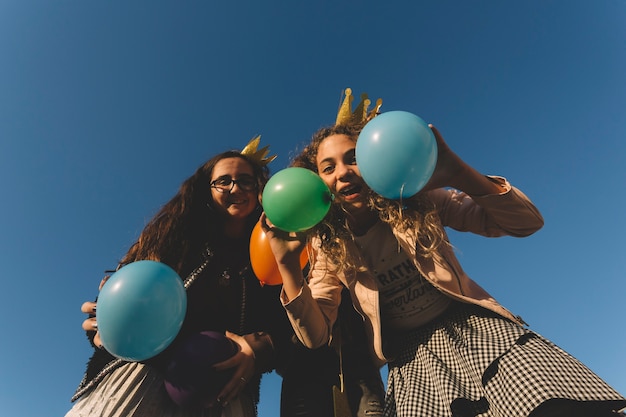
point(417, 213)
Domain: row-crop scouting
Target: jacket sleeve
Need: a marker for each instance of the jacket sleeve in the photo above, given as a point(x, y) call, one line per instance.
point(509, 213)
point(314, 311)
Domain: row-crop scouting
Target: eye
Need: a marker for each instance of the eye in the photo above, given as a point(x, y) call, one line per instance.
point(351, 157)
point(247, 183)
point(223, 181)
point(327, 169)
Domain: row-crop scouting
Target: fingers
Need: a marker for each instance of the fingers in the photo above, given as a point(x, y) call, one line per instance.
point(234, 336)
point(243, 365)
point(233, 388)
point(104, 280)
point(90, 325)
point(264, 222)
point(235, 360)
point(242, 342)
point(97, 341)
point(88, 307)
point(441, 143)
point(275, 232)
point(435, 132)
point(268, 226)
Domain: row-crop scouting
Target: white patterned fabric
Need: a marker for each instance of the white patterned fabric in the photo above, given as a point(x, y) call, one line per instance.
point(471, 362)
point(137, 390)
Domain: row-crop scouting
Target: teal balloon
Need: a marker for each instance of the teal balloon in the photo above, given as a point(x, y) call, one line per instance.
point(396, 153)
point(296, 199)
point(141, 309)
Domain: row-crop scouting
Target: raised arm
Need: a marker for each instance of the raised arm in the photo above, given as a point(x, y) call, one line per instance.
point(477, 203)
point(452, 171)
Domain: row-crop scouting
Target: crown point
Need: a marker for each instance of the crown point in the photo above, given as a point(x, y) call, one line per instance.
point(260, 155)
point(346, 116)
point(345, 109)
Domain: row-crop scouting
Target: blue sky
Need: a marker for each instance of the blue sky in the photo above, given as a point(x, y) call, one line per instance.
point(106, 107)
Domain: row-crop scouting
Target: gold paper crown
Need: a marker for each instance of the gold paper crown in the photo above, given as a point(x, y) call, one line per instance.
point(259, 155)
point(345, 116)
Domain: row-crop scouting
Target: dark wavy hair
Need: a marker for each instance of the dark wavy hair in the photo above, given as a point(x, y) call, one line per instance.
point(178, 234)
point(416, 213)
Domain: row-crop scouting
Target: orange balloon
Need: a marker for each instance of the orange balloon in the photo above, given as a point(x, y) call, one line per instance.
point(262, 258)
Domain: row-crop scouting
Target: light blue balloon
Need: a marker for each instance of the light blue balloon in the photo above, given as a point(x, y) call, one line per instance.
point(141, 309)
point(396, 153)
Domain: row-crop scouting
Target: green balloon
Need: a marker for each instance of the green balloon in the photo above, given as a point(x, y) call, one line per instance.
point(296, 199)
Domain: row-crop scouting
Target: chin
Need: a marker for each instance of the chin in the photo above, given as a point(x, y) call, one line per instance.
point(355, 207)
point(240, 213)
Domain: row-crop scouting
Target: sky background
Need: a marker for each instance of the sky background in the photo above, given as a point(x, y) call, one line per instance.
point(106, 107)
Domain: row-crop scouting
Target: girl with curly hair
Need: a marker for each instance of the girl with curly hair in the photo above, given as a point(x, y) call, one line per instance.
point(450, 347)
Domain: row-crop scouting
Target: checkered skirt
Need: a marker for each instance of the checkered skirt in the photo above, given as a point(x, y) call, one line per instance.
point(472, 362)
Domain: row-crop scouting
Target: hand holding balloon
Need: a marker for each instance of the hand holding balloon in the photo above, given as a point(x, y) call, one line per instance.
point(242, 366)
point(287, 248)
point(91, 324)
point(452, 171)
point(262, 258)
point(190, 378)
point(448, 166)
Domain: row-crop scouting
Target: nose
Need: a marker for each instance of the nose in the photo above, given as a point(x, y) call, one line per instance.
point(342, 171)
point(233, 185)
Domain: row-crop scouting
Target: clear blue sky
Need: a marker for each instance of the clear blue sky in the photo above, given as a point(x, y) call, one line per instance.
point(106, 107)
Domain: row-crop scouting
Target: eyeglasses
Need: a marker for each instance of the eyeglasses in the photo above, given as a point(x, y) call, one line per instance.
point(226, 184)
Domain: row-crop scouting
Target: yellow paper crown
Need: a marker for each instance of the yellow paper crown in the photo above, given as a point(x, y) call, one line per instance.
point(259, 155)
point(345, 115)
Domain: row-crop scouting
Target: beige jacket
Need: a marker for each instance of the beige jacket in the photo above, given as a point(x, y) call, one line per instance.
point(314, 311)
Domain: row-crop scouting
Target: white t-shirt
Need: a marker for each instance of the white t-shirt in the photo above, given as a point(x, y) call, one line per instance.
point(407, 299)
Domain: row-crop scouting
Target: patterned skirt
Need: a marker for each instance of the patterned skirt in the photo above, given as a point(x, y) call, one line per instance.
point(472, 362)
point(137, 390)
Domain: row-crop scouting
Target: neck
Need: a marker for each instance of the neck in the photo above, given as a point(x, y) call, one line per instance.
point(234, 229)
point(360, 223)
